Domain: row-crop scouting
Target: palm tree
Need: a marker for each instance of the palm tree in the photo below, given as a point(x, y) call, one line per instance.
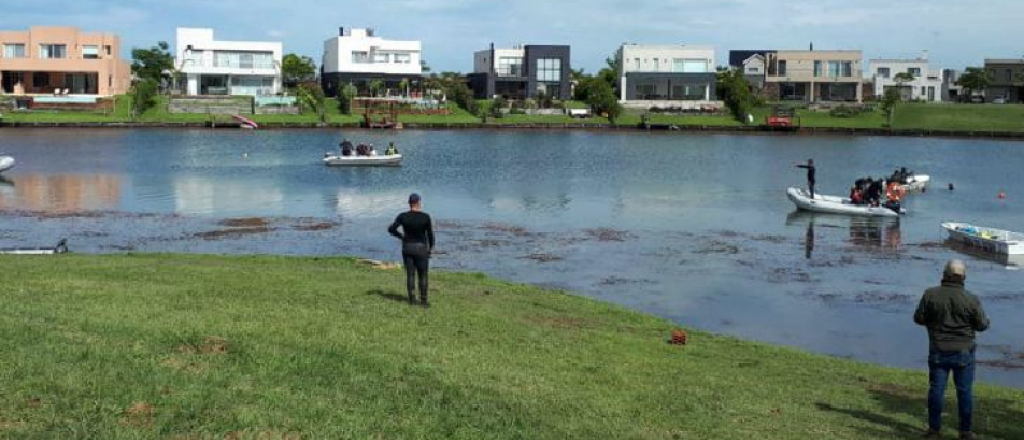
point(901, 79)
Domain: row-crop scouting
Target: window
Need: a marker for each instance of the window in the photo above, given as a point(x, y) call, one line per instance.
point(510, 66)
point(695, 65)
point(817, 68)
point(884, 72)
point(833, 69)
point(753, 70)
point(782, 67)
point(381, 58)
point(549, 69)
point(41, 79)
point(243, 60)
point(637, 61)
point(847, 69)
point(360, 57)
point(90, 52)
point(915, 72)
point(1009, 75)
point(656, 65)
point(403, 58)
point(53, 51)
point(106, 49)
point(16, 50)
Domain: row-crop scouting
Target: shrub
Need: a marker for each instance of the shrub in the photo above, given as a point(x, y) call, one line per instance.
point(143, 96)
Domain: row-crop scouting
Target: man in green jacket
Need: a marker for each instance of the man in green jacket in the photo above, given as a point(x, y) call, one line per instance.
point(952, 315)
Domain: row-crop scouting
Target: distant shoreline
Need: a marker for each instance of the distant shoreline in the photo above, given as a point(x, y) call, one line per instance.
point(710, 129)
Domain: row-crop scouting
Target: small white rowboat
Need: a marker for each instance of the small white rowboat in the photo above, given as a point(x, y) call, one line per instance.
point(836, 205)
point(993, 240)
point(916, 182)
point(60, 248)
point(337, 160)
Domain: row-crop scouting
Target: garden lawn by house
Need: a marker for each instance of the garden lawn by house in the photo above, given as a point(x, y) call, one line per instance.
point(960, 117)
point(261, 347)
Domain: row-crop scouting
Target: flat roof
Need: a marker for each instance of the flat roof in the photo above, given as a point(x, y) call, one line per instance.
point(1004, 60)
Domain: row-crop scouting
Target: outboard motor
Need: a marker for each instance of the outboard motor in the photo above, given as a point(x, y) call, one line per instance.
point(62, 247)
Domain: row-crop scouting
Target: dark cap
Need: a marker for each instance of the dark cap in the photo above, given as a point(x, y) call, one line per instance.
point(414, 198)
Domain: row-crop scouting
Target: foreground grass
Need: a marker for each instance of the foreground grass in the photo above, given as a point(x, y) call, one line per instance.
point(190, 347)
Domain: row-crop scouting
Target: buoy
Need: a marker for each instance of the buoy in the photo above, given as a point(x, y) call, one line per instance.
point(950, 186)
point(245, 155)
point(1002, 195)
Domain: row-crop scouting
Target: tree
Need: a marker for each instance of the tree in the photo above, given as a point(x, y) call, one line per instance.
point(973, 79)
point(153, 63)
point(601, 98)
point(311, 97)
point(346, 94)
point(901, 79)
point(376, 87)
point(143, 96)
point(403, 86)
point(889, 101)
point(734, 89)
point(296, 69)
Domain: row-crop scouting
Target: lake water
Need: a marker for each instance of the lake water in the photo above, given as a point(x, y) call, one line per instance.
point(692, 227)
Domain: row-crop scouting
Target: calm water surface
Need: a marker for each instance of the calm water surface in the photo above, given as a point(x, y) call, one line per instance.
point(695, 228)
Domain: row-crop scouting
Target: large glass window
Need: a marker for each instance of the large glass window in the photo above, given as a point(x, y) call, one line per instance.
point(510, 66)
point(817, 68)
point(360, 57)
point(403, 58)
point(915, 72)
point(782, 68)
point(884, 72)
point(381, 58)
point(243, 60)
point(16, 50)
point(847, 69)
point(833, 69)
point(695, 65)
point(53, 51)
point(90, 52)
point(549, 69)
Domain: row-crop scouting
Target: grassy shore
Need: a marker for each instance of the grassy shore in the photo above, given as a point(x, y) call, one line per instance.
point(195, 347)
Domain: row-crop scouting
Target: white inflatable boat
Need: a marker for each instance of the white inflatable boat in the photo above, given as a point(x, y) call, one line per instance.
point(916, 182)
point(337, 160)
point(6, 163)
point(836, 205)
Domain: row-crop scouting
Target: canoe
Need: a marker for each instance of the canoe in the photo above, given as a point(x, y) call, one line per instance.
point(993, 240)
point(6, 163)
point(60, 248)
point(836, 205)
point(916, 182)
point(336, 160)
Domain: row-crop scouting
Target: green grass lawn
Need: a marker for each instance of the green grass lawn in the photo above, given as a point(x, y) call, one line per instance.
point(960, 117)
point(120, 113)
point(194, 347)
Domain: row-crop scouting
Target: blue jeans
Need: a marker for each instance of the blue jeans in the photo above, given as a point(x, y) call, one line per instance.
point(940, 364)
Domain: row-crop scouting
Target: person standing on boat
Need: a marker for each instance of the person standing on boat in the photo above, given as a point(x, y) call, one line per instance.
point(391, 150)
point(346, 147)
point(952, 315)
point(417, 237)
point(810, 175)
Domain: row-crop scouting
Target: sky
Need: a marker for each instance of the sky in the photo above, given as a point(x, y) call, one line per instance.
point(957, 33)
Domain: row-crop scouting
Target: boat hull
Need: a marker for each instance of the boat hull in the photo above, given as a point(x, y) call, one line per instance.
point(6, 163)
point(997, 241)
point(917, 182)
point(834, 205)
point(363, 161)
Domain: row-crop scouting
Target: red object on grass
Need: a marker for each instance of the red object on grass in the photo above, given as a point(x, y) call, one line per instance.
point(678, 337)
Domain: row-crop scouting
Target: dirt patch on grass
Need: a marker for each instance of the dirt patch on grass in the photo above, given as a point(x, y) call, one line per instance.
point(209, 345)
point(262, 435)
point(561, 322)
point(893, 389)
point(139, 415)
point(222, 234)
point(34, 403)
point(245, 222)
point(608, 234)
point(380, 265)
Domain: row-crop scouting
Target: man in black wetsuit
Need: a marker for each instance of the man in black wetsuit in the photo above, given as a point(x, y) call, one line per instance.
point(417, 237)
point(810, 175)
point(346, 147)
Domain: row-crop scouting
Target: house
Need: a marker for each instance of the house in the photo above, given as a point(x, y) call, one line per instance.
point(950, 90)
point(927, 84)
point(753, 64)
point(1006, 79)
point(62, 60)
point(214, 67)
point(358, 57)
point(664, 76)
point(814, 76)
point(522, 72)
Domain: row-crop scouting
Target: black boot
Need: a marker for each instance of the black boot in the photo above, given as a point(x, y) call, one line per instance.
point(412, 298)
point(423, 301)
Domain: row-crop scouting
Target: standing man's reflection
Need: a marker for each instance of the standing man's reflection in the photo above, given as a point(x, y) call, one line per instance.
point(809, 240)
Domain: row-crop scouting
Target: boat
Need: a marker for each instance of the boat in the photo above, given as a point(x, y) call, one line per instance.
point(245, 122)
point(916, 182)
point(998, 241)
point(836, 205)
point(60, 248)
point(6, 163)
point(337, 160)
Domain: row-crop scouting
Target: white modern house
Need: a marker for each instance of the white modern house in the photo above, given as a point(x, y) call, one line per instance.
point(677, 76)
point(927, 84)
point(357, 56)
point(213, 67)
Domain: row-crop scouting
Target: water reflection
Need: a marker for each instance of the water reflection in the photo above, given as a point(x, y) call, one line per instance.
point(201, 195)
point(1010, 261)
point(865, 232)
point(61, 192)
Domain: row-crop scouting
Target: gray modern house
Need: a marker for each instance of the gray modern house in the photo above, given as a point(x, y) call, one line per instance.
point(1006, 79)
point(666, 76)
point(522, 72)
